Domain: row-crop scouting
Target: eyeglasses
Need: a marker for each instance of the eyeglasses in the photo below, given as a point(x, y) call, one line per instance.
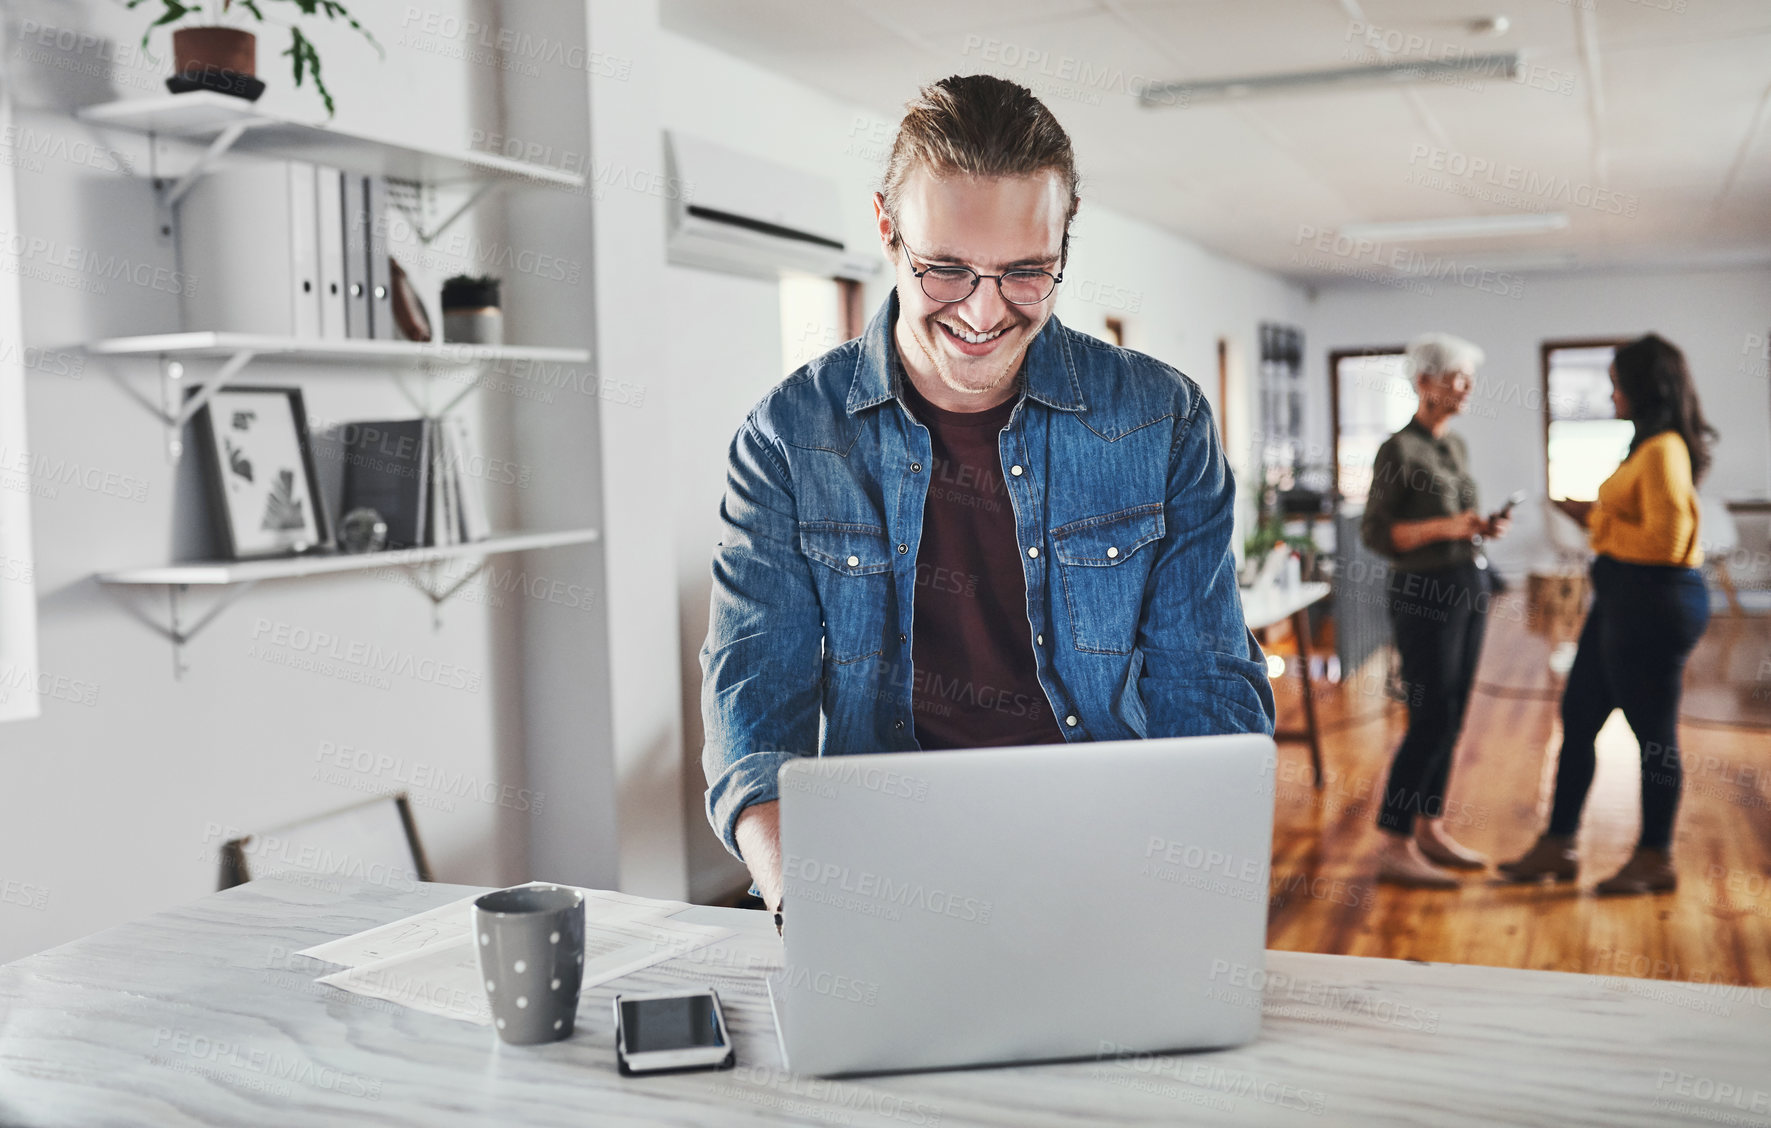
point(950, 284)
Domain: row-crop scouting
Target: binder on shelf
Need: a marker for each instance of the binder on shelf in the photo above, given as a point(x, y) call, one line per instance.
point(248, 242)
point(441, 519)
point(453, 484)
point(472, 499)
point(440, 523)
point(388, 469)
point(304, 251)
point(354, 208)
point(329, 229)
point(381, 285)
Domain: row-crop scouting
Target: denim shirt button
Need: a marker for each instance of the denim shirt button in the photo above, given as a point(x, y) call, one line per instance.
point(1039, 639)
point(1071, 720)
point(1016, 471)
point(916, 467)
point(854, 561)
point(897, 724)
point(903, 638)
point(902, 549)
point(1034, 553)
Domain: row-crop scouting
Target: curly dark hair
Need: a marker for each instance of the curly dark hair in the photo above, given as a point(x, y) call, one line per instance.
point(1653, 376)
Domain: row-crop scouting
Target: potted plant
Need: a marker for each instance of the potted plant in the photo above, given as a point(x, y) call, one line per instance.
point(209, 55)
point(1270, 532)
point(471, 310)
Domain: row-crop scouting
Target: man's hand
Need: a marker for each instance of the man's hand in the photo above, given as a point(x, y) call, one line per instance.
point(758, 831)
point(1496, 527)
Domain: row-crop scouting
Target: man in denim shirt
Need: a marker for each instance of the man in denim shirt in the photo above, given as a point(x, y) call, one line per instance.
point(970, 525)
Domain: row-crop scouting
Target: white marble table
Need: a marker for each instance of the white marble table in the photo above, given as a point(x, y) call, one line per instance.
point(200, 1015)
point(1270, 605)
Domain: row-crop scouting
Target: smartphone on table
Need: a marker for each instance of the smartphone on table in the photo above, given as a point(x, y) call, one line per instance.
point(671, 1031)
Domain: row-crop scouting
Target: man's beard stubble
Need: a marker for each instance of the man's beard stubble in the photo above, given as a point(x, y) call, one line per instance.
point(1005, 370)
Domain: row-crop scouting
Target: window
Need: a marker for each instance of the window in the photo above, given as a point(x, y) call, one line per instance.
point(1372, 398)
point(814, 318)
point(1584, 441)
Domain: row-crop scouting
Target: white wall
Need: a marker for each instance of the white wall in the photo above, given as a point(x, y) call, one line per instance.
point(1176, 301)
point(636, 317)
point(114, 800)
point(555, 655)
point(18, 594)
point(1719, 318)
point(718, 376)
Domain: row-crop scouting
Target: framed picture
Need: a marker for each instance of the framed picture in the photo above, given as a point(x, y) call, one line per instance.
point(260, 468)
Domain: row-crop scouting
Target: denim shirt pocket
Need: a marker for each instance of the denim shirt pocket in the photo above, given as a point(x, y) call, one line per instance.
point(853, 578)
point(1103, 563)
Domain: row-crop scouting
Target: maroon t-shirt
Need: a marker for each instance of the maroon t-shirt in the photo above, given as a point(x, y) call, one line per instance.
point(975, 683)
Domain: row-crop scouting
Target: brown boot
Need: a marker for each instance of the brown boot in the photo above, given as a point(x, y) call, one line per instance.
point(1400, 862)
point(1647, 871)
point(1443, 850)
point(1552, 857)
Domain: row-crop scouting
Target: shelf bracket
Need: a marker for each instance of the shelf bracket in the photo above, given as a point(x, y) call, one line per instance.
point(416, 574)
point(182, 626)
point(180, 629)
point(173, 413)
point(217, 148)
point(428, 237)
point(422, 404)
point(169, 196)
point(176, 414)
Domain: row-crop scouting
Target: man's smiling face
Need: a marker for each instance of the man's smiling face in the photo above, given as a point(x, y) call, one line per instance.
point(964, 356)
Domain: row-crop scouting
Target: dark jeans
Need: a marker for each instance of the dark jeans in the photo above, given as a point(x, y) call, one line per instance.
point(1437, 619)
point(1644, 622)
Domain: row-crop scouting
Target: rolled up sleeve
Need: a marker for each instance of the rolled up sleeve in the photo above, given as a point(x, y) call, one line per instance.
point(761, 662)
point(1203, 672)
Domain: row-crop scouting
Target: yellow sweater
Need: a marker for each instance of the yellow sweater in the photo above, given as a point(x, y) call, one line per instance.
point(1647, 510)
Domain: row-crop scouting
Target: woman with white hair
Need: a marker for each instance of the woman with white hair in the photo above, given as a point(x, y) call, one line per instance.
point(1421, 514)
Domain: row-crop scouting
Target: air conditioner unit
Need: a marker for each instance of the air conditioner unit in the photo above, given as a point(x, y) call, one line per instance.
point(743, 215)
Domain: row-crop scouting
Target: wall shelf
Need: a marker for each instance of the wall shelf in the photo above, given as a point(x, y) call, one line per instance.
point(226, 572)
point(206, 115)
point(233, 578)
point(338, 350)
point(237, 350)
point(226, 122)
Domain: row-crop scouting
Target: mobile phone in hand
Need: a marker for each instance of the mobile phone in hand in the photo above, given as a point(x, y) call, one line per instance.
point(1506, 510)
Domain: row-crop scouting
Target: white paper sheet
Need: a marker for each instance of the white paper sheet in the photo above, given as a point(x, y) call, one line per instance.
point(440, 979)
point(447, 923)
point(428, 961)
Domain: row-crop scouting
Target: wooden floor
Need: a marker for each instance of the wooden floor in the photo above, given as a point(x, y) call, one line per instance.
point(1715, 928)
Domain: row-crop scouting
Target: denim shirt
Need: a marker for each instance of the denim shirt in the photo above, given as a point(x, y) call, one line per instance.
point(1123, 507)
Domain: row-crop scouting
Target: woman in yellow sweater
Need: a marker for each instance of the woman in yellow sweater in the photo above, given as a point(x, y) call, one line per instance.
point(1649, 609)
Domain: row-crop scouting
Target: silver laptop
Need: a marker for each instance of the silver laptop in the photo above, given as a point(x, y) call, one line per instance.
point(1018, 904)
